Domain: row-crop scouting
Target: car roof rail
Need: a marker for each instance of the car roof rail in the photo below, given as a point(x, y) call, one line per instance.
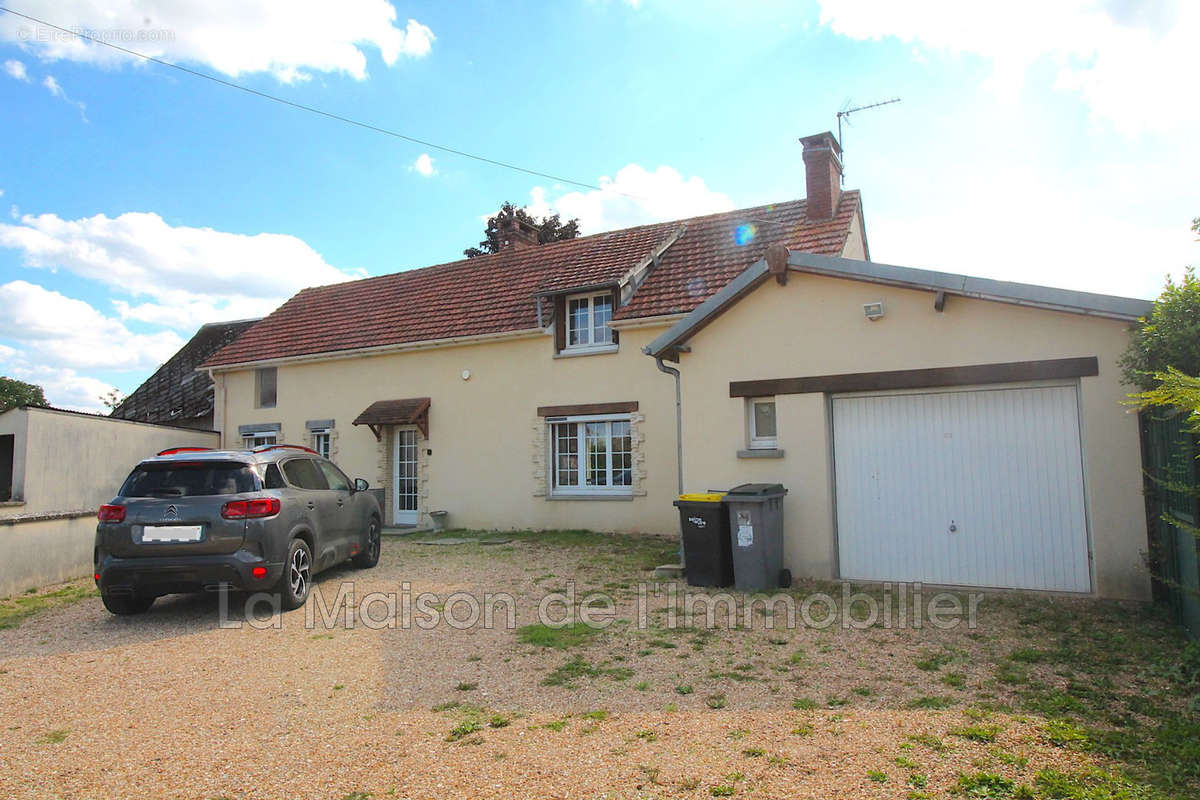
point(262, 448)
point(170, 451)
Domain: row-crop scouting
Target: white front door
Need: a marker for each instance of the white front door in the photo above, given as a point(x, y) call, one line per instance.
point(404, 477)
point(978, 488)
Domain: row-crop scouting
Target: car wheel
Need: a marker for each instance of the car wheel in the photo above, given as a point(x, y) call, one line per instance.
point(369, 556)
point(124, 605)
point(296, 581)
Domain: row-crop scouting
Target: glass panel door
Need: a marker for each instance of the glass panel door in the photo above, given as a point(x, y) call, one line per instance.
point(404, 477)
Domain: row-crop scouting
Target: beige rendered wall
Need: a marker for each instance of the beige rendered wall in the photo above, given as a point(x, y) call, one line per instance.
point(77, 462)
point(483, 432)
point(815, 326)
point(69, 464)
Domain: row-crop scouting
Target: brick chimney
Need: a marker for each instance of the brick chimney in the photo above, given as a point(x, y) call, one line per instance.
point(822, 175)
point(516, 233)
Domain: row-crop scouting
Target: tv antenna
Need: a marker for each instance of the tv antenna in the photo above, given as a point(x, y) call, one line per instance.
point(845, 114)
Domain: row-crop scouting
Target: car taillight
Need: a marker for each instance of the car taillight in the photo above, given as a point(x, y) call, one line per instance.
point(259, 572)
point(251, 509)
point(111, 514)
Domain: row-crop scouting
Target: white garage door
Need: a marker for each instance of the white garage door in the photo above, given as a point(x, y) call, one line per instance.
point(978, 488)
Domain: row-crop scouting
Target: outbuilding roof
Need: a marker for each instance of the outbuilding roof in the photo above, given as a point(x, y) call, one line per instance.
point(499, 293)
point(176, 392)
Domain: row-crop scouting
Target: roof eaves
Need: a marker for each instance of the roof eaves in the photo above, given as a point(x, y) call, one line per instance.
point(1069, 300)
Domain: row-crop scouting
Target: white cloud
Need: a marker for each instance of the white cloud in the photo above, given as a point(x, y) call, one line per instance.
point(1068, 236)
point(635, 197)
point(64, 388)
point(56, 90)
point(183, 276)
point(287, 40)
point(424, 165)
point(16, 70)
point(63, 332)
point(1130, 61)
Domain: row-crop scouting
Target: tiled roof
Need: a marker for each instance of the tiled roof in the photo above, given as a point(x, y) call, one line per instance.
point(176, 393)
point(497, 293)
point(393, 412)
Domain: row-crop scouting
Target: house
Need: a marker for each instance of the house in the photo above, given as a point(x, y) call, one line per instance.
point(56, 468)
point(177, 393)
point(929, 426)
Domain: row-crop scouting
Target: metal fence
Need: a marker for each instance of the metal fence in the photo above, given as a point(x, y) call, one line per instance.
point(1169, 453)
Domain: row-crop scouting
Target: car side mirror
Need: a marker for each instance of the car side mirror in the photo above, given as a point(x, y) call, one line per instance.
point(361, 485)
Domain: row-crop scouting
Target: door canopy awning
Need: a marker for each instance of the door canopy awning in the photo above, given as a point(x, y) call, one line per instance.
point(410, 411)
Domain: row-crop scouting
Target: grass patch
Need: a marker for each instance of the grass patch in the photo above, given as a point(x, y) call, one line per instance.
point(722, 790)
point(564, 638)
point(1091, 784)
point(877, 776)
point(955, 680)
point(684, 688)
point(464, 729)
point(56, 736)
point(465, 686)
point(989, 785)
point(1061, 733)
point(932, 662)
point(928, 740)
point(804, 704)
point(15, 610)
point(576, 668)
point(754, 752)
point(715, 701)
point(936, 703)
point(977, 733)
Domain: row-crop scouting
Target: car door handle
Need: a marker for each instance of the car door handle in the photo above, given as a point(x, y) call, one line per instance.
point(311, 505)
point(341, 502)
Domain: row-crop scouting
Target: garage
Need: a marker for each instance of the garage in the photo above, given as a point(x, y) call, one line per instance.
point(974, 487)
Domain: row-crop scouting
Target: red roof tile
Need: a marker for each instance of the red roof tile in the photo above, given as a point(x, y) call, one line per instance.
point(497, 293)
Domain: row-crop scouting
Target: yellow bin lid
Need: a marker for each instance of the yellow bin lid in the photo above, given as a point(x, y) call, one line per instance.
point(703, 497)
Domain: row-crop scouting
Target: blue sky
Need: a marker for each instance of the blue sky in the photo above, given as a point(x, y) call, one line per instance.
point(139, 202)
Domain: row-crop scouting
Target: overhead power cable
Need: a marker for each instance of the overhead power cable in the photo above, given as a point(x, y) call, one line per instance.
point(313, 110)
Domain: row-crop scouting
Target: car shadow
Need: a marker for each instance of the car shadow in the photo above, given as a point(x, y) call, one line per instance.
point(86, 625)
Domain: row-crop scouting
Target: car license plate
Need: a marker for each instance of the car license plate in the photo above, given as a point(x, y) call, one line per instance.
point(172, 533)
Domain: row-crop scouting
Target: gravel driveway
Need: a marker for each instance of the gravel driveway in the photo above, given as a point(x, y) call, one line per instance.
point(169, 704)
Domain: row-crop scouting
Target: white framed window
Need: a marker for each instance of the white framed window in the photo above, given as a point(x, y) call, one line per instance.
point(587, 321)
point(320, 441)
point(591, 455)
point(253, 439)
point(760, 412)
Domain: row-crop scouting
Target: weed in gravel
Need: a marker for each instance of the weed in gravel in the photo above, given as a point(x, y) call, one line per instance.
point(576, 668)
point(1012, 673)
point(804, 703)
point(651, 773)
point(918, 781)
point(684, 688)
point(14, 610)
point(737, 733)
point(928, 740)
point(955, 680)
point(835, 702)
point(722, 790)
point(754, 752)
point(862, 691)
point(641, 686)
point(447, 706)
point(499, 721)
point(356, 796)
point(937, 702)
point(986, 784)
point(56, 736)
point(931, 661)
point(566, 637)
point(904, 762)
point(647, 736)
point(803, 729)
point(715, 701)
point(464, 729)
point(464, 686)
point(977, 733)
point(557, 725)
point(877, 776)
point(1061, 733)
point(1089, 784)
point(599, 715)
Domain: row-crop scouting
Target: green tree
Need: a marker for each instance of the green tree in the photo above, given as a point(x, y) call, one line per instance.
point(15, 393)
point(550, 229)
point(1169, 336)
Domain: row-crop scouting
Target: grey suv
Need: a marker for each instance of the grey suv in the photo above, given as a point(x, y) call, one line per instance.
point(268, 519)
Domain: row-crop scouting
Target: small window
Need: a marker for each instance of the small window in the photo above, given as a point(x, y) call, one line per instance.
point(265, 385)
point(303, 473)
point(588, 317)
point(320, 441)
point(592, 455)
point(762, 423)
point(336, 479)
point(258, 439)
point(7, 444)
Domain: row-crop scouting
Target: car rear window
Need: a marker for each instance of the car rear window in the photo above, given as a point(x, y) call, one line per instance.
point(189, 480)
